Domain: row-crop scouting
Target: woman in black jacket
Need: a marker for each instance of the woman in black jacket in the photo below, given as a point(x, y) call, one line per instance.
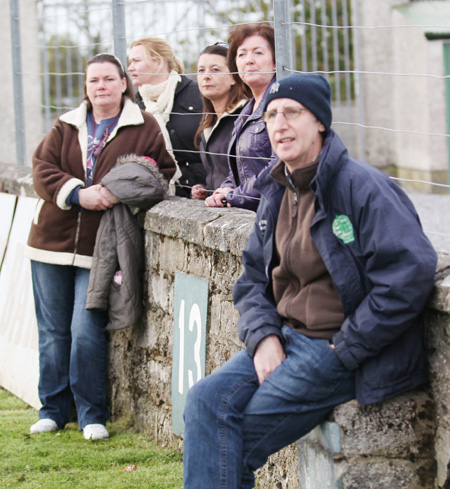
point(174, 100)
point(223, 99)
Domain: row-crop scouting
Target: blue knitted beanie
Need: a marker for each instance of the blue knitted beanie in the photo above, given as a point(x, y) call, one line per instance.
point(312, 91)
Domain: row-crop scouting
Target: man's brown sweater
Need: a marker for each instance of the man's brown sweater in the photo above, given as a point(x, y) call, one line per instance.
point(302, 286)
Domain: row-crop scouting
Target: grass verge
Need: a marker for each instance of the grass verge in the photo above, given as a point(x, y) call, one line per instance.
point(66, 460)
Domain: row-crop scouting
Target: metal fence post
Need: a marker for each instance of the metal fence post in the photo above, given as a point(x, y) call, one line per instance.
point(119, 31)
point(284, 41)
point(359, 89)
point(19, 117)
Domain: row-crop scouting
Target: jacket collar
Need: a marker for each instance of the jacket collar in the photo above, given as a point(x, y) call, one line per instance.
point(330, 164)
point(257, 114)
point(229, 113)
point(182, 84)
point(271, 190)
point(131, 116)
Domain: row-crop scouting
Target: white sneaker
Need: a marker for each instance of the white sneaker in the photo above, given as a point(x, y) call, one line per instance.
point(43, 426)
point(95, 432)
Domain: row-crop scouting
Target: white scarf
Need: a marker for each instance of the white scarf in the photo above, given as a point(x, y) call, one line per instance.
point(158, 101)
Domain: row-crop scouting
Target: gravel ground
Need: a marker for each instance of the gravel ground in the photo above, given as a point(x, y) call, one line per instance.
point(434, 212)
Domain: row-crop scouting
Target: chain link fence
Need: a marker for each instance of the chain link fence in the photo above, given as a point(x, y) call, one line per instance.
point(71, 32)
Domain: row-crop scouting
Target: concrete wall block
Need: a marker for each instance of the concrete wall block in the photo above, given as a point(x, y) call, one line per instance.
point(160, 291)
point(163, 253)
point(382, 473)
point(400, 427)
point(225, 269)
point(440, 299)
point(229, 233)
point(17, 180)
point(315, 456)
point(334, 456)
point(438, 343)
point(198, 262)
point(140, 376)
point(184, 221)
point(280, 471)
point(223, 339)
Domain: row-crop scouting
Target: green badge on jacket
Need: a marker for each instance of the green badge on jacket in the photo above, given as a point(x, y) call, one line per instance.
point(343, 229)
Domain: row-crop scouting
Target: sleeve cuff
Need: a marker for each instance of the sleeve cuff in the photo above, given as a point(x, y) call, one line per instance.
point(65, 191)
point(73, 198)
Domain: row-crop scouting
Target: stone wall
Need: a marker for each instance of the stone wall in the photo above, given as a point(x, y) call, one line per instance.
point(184, 236)
point(403, 443)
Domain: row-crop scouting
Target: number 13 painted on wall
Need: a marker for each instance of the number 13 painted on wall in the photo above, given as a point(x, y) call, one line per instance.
point(189, 342)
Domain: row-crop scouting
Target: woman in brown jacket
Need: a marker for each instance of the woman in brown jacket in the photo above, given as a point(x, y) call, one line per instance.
point(68, 165)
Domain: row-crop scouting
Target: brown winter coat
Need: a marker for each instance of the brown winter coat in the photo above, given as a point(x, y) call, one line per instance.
point(65, 235)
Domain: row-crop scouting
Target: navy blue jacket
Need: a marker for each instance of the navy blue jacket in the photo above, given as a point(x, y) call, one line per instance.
point(381, 263)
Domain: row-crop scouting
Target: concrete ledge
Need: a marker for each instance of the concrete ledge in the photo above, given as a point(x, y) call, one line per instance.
point(223, 229)
point(17, 180)
point(382, 446)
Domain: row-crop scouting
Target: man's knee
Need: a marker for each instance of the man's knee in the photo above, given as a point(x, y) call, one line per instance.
point(198, 398)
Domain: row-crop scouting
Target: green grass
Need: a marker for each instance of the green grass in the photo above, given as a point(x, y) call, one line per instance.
point(66, 460)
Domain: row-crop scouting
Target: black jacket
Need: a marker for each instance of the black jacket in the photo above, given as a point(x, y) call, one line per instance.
point(214, 152)
point(182, 126)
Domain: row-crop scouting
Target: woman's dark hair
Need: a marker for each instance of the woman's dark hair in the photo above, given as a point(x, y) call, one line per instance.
point(240, 33)
point(238, 91)
point(110, 58)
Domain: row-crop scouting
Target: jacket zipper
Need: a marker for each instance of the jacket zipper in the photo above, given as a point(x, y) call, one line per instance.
point(77, 236)
point(294, 230)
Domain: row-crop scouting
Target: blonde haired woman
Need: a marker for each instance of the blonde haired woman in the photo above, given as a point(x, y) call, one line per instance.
point(174, 100)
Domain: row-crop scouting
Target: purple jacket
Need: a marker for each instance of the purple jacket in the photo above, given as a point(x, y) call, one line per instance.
point(249, 153)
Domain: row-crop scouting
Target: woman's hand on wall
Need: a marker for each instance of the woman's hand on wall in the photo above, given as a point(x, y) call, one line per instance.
point(199, 192)
point(218, 198)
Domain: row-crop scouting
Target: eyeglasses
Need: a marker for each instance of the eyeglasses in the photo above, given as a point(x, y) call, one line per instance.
point(288, 112)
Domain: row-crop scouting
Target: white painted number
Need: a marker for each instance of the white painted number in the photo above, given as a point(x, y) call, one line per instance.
point(194, 318)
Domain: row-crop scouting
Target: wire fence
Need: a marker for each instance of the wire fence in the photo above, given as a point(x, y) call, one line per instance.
point(331, 37)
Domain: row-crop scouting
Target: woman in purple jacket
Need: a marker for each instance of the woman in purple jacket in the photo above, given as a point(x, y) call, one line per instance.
point(251, 58)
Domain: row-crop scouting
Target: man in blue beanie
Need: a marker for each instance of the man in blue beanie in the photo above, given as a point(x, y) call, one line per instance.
point(329, 300)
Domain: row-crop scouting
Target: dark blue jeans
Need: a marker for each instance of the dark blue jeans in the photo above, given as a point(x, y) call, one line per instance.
point(233, 424)
point(72, 346)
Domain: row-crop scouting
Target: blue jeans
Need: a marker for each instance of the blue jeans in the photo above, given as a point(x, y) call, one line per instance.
point(73, 354)
point(232, 424)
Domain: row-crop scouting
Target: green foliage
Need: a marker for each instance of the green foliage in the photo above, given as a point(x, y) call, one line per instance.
point(66, 460)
